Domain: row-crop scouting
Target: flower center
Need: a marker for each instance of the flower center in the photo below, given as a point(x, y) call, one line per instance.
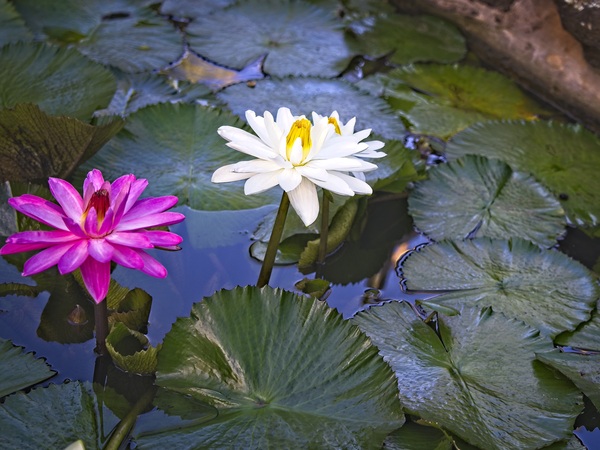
point(333, 121)
point(300, 129)
point(100, 202)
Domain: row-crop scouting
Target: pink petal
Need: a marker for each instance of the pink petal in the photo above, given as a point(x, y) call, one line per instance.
point(92, 183)
point(120, 194)
point(75, 228)
point(67, 197)
point(107, 223)
point(137, 187)
point(152, 220)
point(151, 266)
point(91, 223)
point(39, 209)
point(162, 238)
point(41, 237)
point(9, 249)
point(45, 259)
point(100, 250)
point(127, 257)
point(127, 239)
point(74, 257)
point(151, 205)
point(96, 277)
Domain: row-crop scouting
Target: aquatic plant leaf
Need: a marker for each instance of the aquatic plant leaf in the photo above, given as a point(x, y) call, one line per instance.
point(304, 95)
point(562, 157)
point(477, 378)
point(177, 146)
point(12, 27)
point(36, 146)
point(195, 69)
point(192, 8)
point(582, 370)
point(142, 360)
point(51, 417)
point(59, 80)
point(413, 436)
point(297, 37)
point(408, 39)
point(544, 288)
point(477, 197)
point(20, 370)
point(284, 371)
point(586, 336)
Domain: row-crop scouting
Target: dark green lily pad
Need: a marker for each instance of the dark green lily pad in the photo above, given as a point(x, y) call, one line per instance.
point(193, 8)
point(141, 359)
point(297, 37)
point(304, 95)
point(544, 288)
point(586, 336)
point(60, 81)
point(478, 378)
point(177, 148)
point(582, 370)
point(284, 371)
point(12, 27)
point(564, 158)
point(476, 197)
point(36, 146)
point(20, 370)
point(409, 38)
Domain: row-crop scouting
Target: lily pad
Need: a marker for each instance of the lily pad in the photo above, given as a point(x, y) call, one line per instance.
point(544, 288)
point(12, 27)
point(36, 146)
point(297, 37)
point(586, 336)
point(177, 148)
point(284, 371)
point(20, 370)
point(193, 8)
point(141, 359)
point(304, 95)
point(478, 378)
point(409, 38)
point(562, 157)
point(60, 81)
point(582, 370)
point(476, 197)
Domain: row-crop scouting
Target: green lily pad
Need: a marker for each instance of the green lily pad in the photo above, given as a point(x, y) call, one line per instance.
point(284, 371)
point(417, 436)
point(409, 38)
point(304, 95)
point(30, 72)
point(51, 417)
point(193, 8)
point(141, 359)
point(300, 39)
point(12, 27)
point(582, 370)
point(562, 157)
point(586, 336)
point(37, 146)
point(177, 148)
point(544, 288)
point(478, 378)
point(20, 370)
point(477, 197)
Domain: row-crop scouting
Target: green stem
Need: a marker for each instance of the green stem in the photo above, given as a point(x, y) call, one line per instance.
point(324, 229)
point(101, 320)
point(269, 260)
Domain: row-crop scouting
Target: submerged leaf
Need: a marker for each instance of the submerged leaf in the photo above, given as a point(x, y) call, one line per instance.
point(284, 371)
point(476, 197)
point(12, 27)
point(297, 37)
point(564, 158)
point(544, 288)
point(477, 378)
point(141, 360)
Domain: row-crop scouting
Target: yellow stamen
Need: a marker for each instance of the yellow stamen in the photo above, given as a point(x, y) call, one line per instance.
point(333, 121)
point(300, 129)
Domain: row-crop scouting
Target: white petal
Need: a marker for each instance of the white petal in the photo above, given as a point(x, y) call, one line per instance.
point(275, 133)
point(334, 184)
point(312, 172)
point(357, 185)
point(296, 154)
point(289, 179)
point(305, 201)
point(261, 182)
point(257, 123)
point(285, 119)
point(339, 146)
point(255, 166)
point(245, 142)
point(343, 164)
point(226, 174)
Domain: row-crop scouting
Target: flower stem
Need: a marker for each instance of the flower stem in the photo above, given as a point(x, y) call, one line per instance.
point(269, 259)
point(101, 319)
point(324, 228)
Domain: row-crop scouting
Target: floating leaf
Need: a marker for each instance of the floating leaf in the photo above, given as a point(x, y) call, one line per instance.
point(141, 359)
point(418, 437)
point(478, 378)
point(61, 81)
point(562, 157)
point(36, 146)
point(20, 370)
point(544, 288)
point(409, 38)
point(12, 27)
point(582, 370)
point(586, 336)
point(477, 197)
point(300, 38)
point(304, 95)
point(192, 67)
point(192, 8)
point(177, 147)
point(283, 370)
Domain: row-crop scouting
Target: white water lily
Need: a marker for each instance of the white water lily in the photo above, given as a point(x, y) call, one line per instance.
point(298, 155)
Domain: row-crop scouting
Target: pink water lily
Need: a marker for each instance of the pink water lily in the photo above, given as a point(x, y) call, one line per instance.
point(110, 223)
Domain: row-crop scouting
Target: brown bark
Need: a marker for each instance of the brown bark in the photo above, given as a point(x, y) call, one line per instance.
point(527, 41)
